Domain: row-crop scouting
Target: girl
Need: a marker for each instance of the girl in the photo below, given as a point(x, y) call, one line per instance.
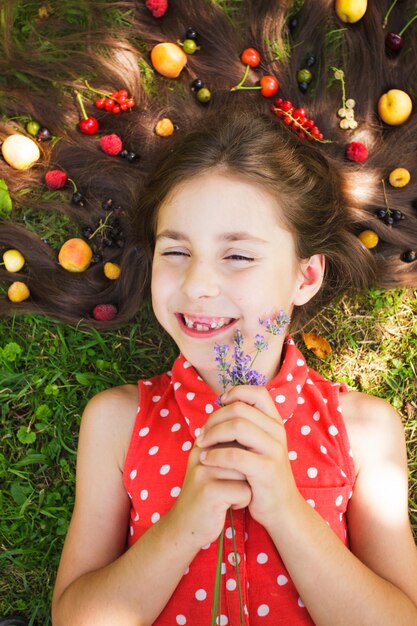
point(242, 219)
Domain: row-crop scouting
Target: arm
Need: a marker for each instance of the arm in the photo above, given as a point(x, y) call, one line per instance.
point(98, 582)
point(375, 584)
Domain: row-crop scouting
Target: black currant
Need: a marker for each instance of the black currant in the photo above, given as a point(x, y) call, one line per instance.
point(44, 134)
point(191, 33)
point(97, 258)
point(107, 204)
point(120, 243)
point(123, 153)
point(389, 220)
point(131, 156)
point(397, 215)
point(77, 198)
point(310, 60)
point(292, 24)
point(409, 256)
point(196, 84)
point(87, 231)
point(303, 87)
point(380, 213)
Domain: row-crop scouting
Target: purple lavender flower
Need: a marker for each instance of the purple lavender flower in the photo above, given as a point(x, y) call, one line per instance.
point(276, 325)
point(240, 371)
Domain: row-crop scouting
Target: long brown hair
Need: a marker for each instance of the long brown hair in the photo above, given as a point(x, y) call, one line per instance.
point(40, 83)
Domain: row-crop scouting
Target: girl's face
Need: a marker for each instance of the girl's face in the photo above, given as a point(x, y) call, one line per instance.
point(222, 261)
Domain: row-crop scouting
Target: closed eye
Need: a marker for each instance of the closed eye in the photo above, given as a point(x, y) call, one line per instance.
point(239, 257)
point(175, 253)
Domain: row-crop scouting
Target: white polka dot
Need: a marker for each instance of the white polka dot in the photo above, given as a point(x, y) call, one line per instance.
point(290, 377)
point(143, 432)
point(155, 517)
point(169, 373)
point(229, 532)
point(133, 474)
point(323, 449)
point(333, 430)
point(282, 580)
point(325, 400)
point(131, 531)
point(300, 362)
point(175, 427)
point(311, 503)
point(305, 430)
point(298, 388)
point(156, 398)
point(262, 558)
point(280, 399)
point(190, 395)
point(309, 381)
point(130, 495)
point(177, 386)
point(201, 594)
point(339, 409)
point(206, 546)
point(312, 472)
point(187, 445)
point(164, 469)
point(292, 455)
point(197, 432)
point(147, 382)
point(223, 568)
point(232, 559)
point(209, 408)
point(187, 420)
point(343, 473)
point(222, 620)
point(136, 518)
point(152, 451)
point(300, 400)
point(175, 492)
point(231, 584)
point(263, 610)
point(290, 342)
point(300, 603)
point(144, 494)
point(186, 365)
point(316, 416)
point(339, 500)
point(180, 619)
point(163, 412)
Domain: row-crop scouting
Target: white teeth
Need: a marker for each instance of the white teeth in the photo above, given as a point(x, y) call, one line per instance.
point(203, 327)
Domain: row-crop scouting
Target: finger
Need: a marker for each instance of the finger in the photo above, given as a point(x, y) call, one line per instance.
point(244, 461)
point(245, 432)
point(258, 397)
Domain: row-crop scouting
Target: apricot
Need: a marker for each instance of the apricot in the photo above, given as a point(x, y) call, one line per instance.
point(18, 291)
point(400, 177)
point(13, 260)
point(20, 151)
point(75, 255)
point(164, 128)
point(112, 270)
point(168, 59)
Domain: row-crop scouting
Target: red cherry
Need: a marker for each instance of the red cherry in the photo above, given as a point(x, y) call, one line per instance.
point(89, 126)
point(269, 86)
point(394, 41)
point(250, 57)
point(100, 103)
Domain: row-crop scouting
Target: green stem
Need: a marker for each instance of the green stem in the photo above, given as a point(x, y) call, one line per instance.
point(385, 196)
point(73, 184)
point(100, 93)
point(385, 22)
point(216, 605)
point(408, 24)
point(81, 105)
point(102, 225)
point(245, 75)
point(239, 586)
point(247, 88)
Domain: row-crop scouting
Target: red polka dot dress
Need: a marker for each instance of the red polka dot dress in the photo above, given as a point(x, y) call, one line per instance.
point(173, 408)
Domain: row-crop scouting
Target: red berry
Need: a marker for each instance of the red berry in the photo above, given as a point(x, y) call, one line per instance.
point(109, 104)
point(286, 106)
point(104, 312)
point(123, 106)
point(130, 103)
point(299, 113)
point(357, 152)
point(315, 131)
point(111, 144)
point(321, 136)
point(269, 86)
point(55, 179)
point(123, 93)
point(157, 7)
point(114, 95)
point(287, 120)
point(309, 123)
point(278, 102)
point(250, 57)
point(100, 103)
point(89, 126)
point(116, 109)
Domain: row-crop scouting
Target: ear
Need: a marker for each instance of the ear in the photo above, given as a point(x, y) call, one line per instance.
point(311, 278)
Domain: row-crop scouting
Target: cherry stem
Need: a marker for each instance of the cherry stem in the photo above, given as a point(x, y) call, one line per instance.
point(245, 75)
point(385, 196)
point(407, 25)
point(73, 184)
point(100, 93)
point(81, 105)
point(385, 22)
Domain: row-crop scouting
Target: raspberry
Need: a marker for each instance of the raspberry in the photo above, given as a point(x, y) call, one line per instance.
point(55, 179)
point(111, 144)
point(357, 152)
point(157, 7)
point(104, 312)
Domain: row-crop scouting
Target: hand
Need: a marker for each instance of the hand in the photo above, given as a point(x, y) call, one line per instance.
point(249, 418)
point(206, 495)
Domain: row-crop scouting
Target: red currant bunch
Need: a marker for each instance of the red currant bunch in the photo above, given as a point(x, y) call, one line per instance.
point(115, 102)
point(297, 120)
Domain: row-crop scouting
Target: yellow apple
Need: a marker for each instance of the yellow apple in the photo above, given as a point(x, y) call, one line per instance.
point(350, 10)
point(168, 59)
point(17, 292)
point(13, 260)
point(19, 151)
point(75, 255)
point(394, 107)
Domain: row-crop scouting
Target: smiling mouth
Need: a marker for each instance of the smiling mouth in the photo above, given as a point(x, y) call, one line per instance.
point(205, 323)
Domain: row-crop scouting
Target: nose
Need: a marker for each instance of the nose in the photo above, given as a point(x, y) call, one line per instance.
point(201, 280)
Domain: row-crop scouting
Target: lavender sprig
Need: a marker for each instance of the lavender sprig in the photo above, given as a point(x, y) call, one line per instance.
point(276, 325)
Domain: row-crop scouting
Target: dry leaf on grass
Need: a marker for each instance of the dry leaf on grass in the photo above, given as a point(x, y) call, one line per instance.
point(318, 345)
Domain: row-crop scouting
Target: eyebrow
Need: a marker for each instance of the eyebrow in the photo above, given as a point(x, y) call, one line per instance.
point(228, 236)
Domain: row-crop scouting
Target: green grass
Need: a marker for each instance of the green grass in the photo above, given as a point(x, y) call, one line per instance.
point(49, 370)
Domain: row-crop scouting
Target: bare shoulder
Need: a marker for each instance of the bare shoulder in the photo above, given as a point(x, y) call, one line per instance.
point(110, 416)
point(374, 428)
